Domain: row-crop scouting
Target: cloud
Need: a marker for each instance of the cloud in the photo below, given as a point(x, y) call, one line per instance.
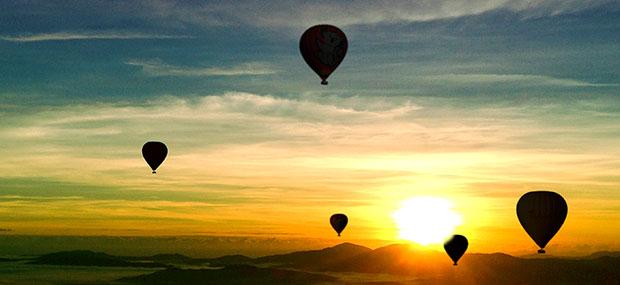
point(158, 68)
point(37, 198)
point(309, 152)
point(369, 134)
point(235, 125)
point(344, 13)
point(181, 14)
point(71, 36)
point(527, 79)
point(246, 118)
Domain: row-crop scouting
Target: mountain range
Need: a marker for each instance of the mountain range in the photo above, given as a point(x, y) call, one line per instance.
point(398, 263)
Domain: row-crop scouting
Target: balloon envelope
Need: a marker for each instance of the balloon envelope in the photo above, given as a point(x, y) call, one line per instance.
point(323, 48)
point(541, 213)
point(455, 247)
point(154, 153)
point(338, 222)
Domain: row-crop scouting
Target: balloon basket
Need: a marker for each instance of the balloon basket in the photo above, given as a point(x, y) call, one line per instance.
point(541, 251)
point(324, 82)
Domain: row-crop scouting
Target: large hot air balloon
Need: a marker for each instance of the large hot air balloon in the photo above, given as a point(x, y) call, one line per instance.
point(541, 213)
point(339, 222)
point(323, 48)
point(455, 247)
point(154, 153)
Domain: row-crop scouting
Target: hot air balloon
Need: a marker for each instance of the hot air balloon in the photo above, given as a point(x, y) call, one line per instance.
point(455, 247)
point(339, 222)
point(154, 153)
point(323, 48)
point(541, 213)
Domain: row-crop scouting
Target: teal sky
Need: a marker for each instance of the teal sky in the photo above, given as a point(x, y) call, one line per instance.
point(478, 102)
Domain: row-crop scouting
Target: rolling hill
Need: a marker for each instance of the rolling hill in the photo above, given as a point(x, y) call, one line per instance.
point(233, 274)
point(328, 265)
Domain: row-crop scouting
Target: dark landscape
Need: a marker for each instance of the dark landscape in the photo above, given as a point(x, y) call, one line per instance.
point(350, 264)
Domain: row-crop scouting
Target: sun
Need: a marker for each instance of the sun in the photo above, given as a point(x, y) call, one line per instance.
point(426, 220)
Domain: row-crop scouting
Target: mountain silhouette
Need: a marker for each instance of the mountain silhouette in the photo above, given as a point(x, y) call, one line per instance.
point(236, 259)
point(393, 259)
point(329, 264)
point(505, 269)
point(173, 258)
point(315, 259)
point(234, 274)
point(90, 258)
point(605, 254)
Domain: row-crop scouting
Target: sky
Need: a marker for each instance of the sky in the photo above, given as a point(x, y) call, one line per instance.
point(476, 102)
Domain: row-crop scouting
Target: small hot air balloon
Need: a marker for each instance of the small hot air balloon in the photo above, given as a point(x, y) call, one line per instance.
point(154, 153)
point(323, 48)
point(455, 247)
point(541, 213)
point(339, 222)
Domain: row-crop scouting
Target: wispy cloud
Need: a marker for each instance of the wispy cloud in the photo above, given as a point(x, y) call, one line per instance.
point(36, 198)
point(178, 14)
point(311, 153)
point(72, 36)
point(276, 129)
point(344, 13)
point(526, 79)
point(158, 68)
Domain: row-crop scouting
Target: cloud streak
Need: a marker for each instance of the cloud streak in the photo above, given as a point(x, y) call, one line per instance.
point(284, 131)
point(522, 79)
point(177, 14)
point(158, 68)
point(75, 36)
point(345, 13)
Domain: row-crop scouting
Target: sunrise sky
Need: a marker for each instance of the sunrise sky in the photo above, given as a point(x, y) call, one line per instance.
point(476, 103)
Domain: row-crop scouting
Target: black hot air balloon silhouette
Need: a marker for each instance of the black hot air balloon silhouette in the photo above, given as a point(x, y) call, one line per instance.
point(154, 153)
point(339, 222)
point(455, 247)
point(541, 213)
point(323, 48)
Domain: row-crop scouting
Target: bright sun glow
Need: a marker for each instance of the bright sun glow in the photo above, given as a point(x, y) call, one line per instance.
point(426, 220)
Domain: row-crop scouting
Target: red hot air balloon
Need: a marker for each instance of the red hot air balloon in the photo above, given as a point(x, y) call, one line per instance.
point(323, 48)
point(338, 222)
point(541, 213)
point(154, 153)
point(455, 247)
